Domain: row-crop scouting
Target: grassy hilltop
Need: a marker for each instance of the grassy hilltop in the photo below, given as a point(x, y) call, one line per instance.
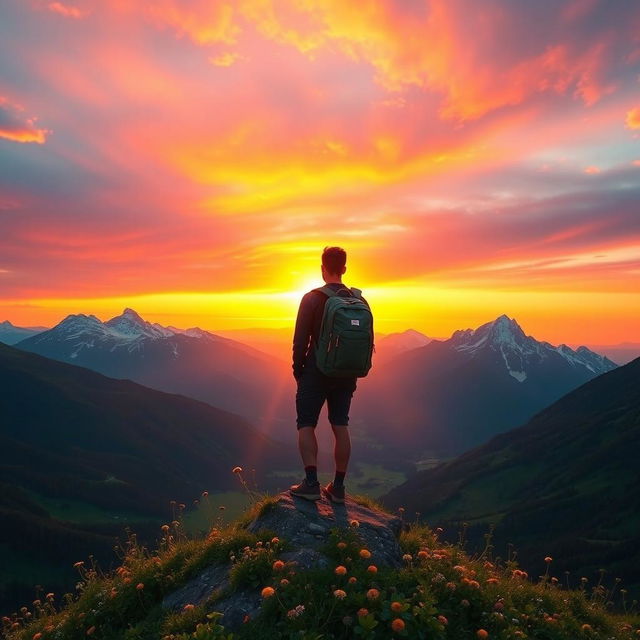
point(439, 592)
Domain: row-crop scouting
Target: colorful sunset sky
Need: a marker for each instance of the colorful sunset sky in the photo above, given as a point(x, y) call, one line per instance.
point(191, 158)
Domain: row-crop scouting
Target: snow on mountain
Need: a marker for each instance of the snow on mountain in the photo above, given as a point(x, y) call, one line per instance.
point(127, 331)
point(519, 351)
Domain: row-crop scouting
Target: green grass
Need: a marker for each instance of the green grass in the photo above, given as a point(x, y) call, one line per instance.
point(216, 510)
point(439, 593)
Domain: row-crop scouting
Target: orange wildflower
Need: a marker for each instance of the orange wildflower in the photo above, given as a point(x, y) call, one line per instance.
point(423, 555)
point(373, 594)
point(365, 553)
point(237, 470)
point(284, 582)
point(353, 580)
point(340, 594)
point(342, 545)
point(278, 565)
point(396, 606)
point(340, 570)
point(372, 568)
point(140, 586)
point(482, 634)
point(362, 612)
point(188, 607)
point(267, 592)
point(398, 625)
point(442, 620)
point(548, 559)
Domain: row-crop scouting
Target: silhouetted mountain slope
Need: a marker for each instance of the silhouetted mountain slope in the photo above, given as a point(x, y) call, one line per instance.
point(569, 478)
point(111, 449)
point(193, 362)
point(450, 395)
point(115, 440)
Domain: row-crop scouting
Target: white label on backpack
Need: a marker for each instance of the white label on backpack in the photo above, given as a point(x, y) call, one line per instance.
point(356, 322)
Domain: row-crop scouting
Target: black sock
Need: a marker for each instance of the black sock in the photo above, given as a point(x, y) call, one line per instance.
point(338, 481)
point(312, 474)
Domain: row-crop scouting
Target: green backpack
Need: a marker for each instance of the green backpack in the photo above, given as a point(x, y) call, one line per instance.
point(345, 344)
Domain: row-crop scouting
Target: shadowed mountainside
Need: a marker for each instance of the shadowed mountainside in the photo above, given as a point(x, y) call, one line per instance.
point(449, 396)
point(570, 476)
point(193, 362)
point(114, 451)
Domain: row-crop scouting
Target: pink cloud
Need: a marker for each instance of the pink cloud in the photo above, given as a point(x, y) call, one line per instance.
point(66, 10)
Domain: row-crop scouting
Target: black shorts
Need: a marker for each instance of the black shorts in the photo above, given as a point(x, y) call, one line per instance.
point(314, 388)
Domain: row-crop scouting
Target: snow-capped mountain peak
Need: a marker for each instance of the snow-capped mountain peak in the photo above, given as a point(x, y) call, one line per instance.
point(519, 352)
point(78, 322)
point(130, 324)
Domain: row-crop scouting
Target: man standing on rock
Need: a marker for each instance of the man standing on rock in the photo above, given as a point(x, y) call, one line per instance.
point(332, 347)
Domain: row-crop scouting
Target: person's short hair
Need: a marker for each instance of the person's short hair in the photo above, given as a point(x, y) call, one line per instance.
point(334, 259)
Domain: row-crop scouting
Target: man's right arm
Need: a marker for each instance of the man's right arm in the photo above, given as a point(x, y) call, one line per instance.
point(302, 334)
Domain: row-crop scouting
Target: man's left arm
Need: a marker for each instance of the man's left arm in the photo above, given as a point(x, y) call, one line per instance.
point(302, 334)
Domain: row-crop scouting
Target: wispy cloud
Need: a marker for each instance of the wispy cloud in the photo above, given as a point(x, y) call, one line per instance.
point(66, 10)
point(218, 145)
point(17, 127)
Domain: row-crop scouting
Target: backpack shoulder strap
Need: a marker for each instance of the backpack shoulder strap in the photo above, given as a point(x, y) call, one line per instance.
point(356, 292)
point(328, 291)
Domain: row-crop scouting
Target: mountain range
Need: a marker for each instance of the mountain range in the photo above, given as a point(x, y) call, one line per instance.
point(440, 397)
point(569, 477)
point(448, 396)
point(225, 373)
point(10, 334)
point(83, 454)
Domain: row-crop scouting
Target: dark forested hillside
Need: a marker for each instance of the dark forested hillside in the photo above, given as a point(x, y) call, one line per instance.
point(112, 451)
point(569, 478)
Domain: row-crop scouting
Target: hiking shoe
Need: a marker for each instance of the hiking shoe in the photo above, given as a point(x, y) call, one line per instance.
point(335, 494)
point(306, 490)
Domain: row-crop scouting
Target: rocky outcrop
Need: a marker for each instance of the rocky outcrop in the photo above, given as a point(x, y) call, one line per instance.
point(305, 526)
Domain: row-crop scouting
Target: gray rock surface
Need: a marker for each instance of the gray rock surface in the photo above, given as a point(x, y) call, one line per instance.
point(305, 526)
point(199, 588)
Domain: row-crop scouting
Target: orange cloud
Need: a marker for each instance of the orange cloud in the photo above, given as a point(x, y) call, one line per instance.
point(16, 127)
point(592, 170)
point(633, 118)
point(434, 47)
point(225, 59)
point(203, 21)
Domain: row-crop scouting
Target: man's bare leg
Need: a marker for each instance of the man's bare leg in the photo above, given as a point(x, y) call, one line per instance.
point(342, 450)
point(308, 446)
